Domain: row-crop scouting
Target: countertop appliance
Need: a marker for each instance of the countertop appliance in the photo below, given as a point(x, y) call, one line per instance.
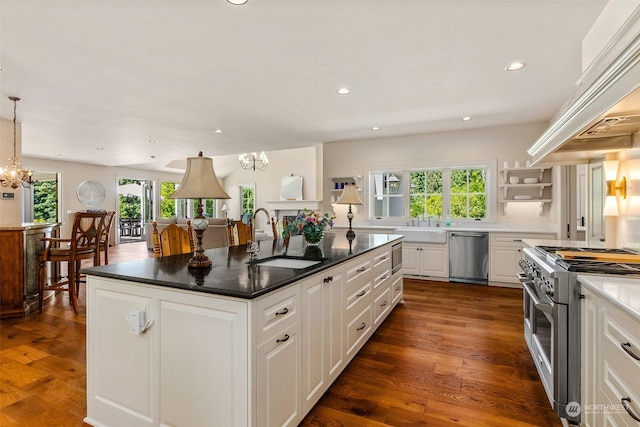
point(469, 257)
point(551, 300)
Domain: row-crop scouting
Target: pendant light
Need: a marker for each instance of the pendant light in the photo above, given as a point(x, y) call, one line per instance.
point(13, 175)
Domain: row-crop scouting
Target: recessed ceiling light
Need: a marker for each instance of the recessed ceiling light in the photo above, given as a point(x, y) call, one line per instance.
point(343, 91)
point(99, 148)
point(237, 2)
point(375, 128)
point(152, 141)
point(515, 66)
point(466, 118)
point(218, 131)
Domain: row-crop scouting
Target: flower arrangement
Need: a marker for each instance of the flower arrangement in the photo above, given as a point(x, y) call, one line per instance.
point(310, 224)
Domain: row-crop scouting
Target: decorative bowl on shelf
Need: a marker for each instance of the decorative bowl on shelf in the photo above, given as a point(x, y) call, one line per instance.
point(514, 180)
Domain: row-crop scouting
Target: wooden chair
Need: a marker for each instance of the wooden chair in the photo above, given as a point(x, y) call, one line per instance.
point(277, 227)
point(172, 240)
point(239, 232)
point(104, 238)
point(83, 244)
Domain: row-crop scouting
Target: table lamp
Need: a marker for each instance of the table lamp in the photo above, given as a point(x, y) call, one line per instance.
point(349, 197)
point(199, 182)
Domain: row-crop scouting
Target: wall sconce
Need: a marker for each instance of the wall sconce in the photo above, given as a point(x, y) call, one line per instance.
point(394, 184)
point(614, 187)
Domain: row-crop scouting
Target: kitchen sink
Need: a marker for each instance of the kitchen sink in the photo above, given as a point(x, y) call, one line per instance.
point(287, 262)
point(423, 235)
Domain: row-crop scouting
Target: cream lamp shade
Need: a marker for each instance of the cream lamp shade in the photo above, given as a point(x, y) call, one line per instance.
point(199, 182)
point(349, 196)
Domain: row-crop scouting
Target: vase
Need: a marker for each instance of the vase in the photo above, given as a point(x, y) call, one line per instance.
point(312, 237)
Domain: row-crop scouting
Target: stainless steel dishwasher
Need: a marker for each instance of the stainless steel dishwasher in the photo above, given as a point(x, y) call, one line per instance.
point(469, 257)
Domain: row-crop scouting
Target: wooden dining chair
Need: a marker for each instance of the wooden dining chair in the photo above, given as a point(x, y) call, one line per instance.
point(239, 233)
point(172, 240)
point(104, 238)
point(83, 244)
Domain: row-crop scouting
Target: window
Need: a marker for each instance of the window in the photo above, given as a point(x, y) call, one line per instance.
point(171, 208)
point(45, 200)
point(460, 192)
point(425, 198)
point(248, 199)
point(468, 193)
point(386, 194)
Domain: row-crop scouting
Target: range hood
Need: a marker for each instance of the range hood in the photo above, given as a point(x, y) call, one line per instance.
point(603, 117)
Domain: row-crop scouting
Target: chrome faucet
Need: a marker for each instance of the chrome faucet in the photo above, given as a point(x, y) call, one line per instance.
point(253, 247)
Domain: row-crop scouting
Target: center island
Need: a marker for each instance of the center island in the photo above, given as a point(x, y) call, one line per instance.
point(243, 343)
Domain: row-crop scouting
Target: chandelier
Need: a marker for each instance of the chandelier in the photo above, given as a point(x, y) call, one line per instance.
point(14, 176)
point(253, 161)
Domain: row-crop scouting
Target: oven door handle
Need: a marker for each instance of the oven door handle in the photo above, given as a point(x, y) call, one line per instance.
point(545, 308)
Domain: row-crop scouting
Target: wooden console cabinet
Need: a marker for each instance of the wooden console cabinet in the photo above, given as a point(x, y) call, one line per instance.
point(20, 246)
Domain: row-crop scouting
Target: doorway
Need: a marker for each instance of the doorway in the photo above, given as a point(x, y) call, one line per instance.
point(135, 208)
point(41, 201)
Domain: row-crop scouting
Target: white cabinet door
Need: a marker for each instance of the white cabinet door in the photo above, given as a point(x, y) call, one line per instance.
point(590, 359)
point(410, 259)
point(322, 342)
point(195, 333)
point(279, 380)
point(188, 367)
point(503, 265)
point(424, 259)
point(434, 260)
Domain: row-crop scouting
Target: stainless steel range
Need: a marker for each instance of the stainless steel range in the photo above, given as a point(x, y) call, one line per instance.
point(552, 317)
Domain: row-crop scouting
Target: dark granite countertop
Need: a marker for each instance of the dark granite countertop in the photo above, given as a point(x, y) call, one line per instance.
point(233, 275)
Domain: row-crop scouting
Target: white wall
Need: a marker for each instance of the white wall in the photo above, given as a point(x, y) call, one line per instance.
point(75, 173)
point(486, 145)
point(282, 163)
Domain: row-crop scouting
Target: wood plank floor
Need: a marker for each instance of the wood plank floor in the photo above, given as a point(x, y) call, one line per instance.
point(452, 354)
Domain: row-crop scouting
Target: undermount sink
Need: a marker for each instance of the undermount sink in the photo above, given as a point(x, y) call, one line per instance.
point(423, 235)
point(287, 262)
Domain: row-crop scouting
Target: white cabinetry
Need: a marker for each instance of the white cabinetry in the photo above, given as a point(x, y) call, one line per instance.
point(322, 343)
point(426, 259)
point(279, 358)
point(206, 359)
point(145, 379)
point(611, 364)
point(505, 251)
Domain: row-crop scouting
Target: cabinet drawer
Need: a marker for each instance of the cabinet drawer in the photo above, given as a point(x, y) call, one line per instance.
point(381, 260)
point(396, 289)
point(614, 387)
point(381, 279)
point(615, 335)
point(358, 330)
point(276, 312)
point(381, 304)
point(358, 271)
point(357, 298)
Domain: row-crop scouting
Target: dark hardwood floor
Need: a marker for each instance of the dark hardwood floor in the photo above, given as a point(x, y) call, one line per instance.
point(452, 354)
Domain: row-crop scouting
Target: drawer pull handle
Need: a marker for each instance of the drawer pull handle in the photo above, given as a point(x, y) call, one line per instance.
point(385, 276)
point(286, 338)
point(383, 257)
point(364, 325)
point(360, 294)
point(361, 269)
point(624, 401)
point(283, 312)
point(626, 346)
point(328, 279)
point(398, 288)
point(384, 304)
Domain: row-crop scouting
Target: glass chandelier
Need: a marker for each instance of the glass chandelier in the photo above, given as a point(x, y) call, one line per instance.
point(13, 175)
point(253, 161)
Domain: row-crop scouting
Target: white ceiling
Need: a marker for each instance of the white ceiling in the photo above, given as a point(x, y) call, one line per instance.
point(116, 74)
